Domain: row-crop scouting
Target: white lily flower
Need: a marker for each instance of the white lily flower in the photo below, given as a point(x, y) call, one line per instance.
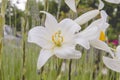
point(113, 1)
point(102, 26)
point(96, 30)
point(114, 62)
point(57, 39)
point(84, 18)
point(71, 4)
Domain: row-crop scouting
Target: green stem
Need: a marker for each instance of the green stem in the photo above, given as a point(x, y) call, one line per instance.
point(59, 69)
point(70, 67)
point(24, 32)
point(2, 23)
point(58, 12)
point(23, 47)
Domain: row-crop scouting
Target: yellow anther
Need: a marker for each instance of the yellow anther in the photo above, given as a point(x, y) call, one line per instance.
point(57, 38)
point(102, 36)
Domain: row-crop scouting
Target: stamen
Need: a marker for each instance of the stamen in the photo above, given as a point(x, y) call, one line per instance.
point(102, 36)
point(57, 38)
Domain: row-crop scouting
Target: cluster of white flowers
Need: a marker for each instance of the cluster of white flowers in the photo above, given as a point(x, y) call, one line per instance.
point(60, 38)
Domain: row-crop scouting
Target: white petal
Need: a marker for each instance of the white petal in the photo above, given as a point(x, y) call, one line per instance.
point(101, 45)
point(100, 23)
point(67, 52)
point(84, 18)
point(69, 25)
point(86, 35)
point(39, 36)
point(118, 52)
point(96, 23)
point(76, 55)
point(89, 33)
point(43, 58)
point(72, 55)
point(103, 15)
point(68, 29)
point(101, 5)
point(113, 64)
point(113, 1)
point(118, 48)
point(50, 22)
point(71, 4)
point(83, 42)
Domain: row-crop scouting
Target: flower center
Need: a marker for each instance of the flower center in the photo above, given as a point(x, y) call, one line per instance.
point(57, 38)
point(102, 36)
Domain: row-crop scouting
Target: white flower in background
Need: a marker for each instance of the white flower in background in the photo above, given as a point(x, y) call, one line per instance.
point(102, 24)
point(20, 4)
point(57, 39)
point(97, 38)
point(84, 18)
point(71, 4)
point(114, 62)
point(113, 1)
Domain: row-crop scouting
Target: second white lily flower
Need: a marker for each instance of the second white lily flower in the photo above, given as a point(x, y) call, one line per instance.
point(96, 30)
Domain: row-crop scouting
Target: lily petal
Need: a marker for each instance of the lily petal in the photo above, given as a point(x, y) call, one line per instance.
point(100, 23)
point(71, 4)
point(67, 51)
point(69, 26)
point(101, 45)
point(76, 55)
point(118, 49)
point(103, 15)
point(86, 35)
point(83, 42)
point(43, 58)
point(84, 18)
point(113, 1)
point(89, 33)
point(118, 52)
point(39, 36)
point(101, 5)
point(72, 55)
point(113, 64)
point(50, 22)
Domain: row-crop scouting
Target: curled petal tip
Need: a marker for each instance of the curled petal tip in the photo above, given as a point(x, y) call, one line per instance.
point(71, 4)
point(101, 5)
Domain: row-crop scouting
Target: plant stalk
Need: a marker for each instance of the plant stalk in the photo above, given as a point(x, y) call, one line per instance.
point(2, 23)
point(70, 68)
